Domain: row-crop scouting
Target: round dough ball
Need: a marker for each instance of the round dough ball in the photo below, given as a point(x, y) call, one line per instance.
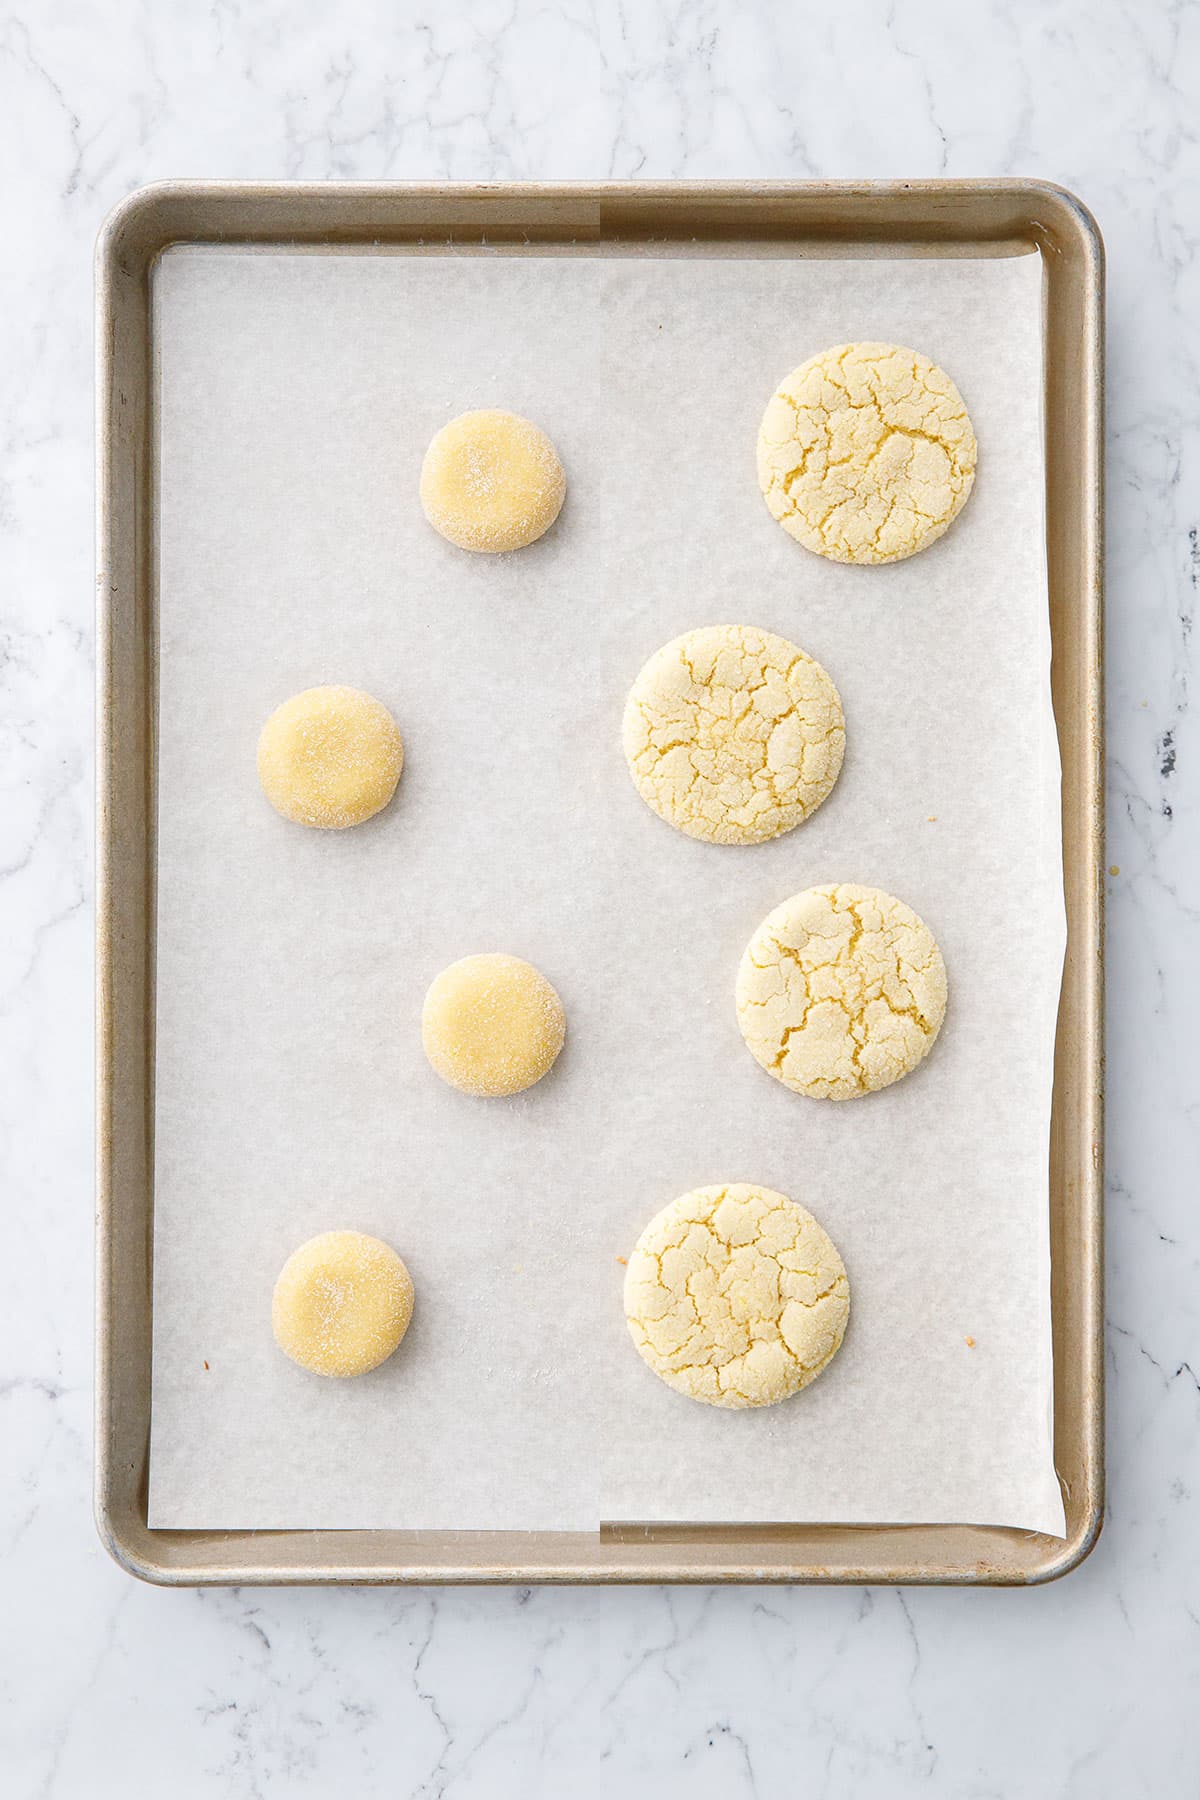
point(492, 1025)
point(841, 991)
point(342, 1303)
point(866, 453)
point(734, 1295)
point(330, 757)
point(492, 481)
point(733, 735)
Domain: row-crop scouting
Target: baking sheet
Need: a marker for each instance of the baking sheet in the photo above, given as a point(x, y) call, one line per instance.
point(296, 396)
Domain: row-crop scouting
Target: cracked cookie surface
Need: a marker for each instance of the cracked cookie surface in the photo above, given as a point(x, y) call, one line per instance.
point(734, 1295)
point(733, 735)
point(866, 453)
point(492, 481)
point(841, 991)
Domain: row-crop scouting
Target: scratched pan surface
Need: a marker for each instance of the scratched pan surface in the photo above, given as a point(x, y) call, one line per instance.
point(934, 218)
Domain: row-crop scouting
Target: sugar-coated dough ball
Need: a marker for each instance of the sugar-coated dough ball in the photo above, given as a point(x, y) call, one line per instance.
point(330, 757)
point(866, 453)
point(342, 1303)
point(734, 1295)
point(733, 734)
point(492, 481)
point(841, 991)
point(492, 1025)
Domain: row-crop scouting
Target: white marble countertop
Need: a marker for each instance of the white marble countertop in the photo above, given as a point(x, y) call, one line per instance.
point(1085, 1688)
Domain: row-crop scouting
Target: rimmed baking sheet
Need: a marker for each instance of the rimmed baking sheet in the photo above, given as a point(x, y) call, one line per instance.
point(319, 1023)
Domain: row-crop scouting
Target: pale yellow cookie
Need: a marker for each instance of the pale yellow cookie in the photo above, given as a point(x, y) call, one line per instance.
point(492, 1025)
point(342, 1303)
point(330, 757)
point(492, 481)
point(734, 1295)
point(866, 453)
point(841, 991)
point(733, 734)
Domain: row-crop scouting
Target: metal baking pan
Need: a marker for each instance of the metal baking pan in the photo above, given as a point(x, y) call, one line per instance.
point(931, 218)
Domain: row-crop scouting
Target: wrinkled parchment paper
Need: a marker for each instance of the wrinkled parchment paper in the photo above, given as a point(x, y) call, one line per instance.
point(297, 393)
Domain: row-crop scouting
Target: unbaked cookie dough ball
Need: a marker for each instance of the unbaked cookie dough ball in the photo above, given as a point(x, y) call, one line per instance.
point(342, 1303)
point(734, 1295)
point(330, 757)
point(492, 481)
point(733, 735)
point(866, 453)
point(492, 1025)
point(841, 991)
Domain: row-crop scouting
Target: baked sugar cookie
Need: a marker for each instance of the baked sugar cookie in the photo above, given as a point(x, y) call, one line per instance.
point(841, 991)
point(492, 1025)
point(492, 481)
point(342, 1303)
point(734, 1295)
point(733, 735)
point(330, 757)
point(866, 453)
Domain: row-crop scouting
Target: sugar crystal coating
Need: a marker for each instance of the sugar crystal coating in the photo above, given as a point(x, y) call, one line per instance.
point(492, 481)
point(330, 757)
point(492, 1025)
point(342, 1303)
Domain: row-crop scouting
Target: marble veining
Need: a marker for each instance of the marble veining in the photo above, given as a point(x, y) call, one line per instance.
point(1083, 1689)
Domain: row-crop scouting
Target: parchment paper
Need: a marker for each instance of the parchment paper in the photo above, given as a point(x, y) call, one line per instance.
point(297, 395)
